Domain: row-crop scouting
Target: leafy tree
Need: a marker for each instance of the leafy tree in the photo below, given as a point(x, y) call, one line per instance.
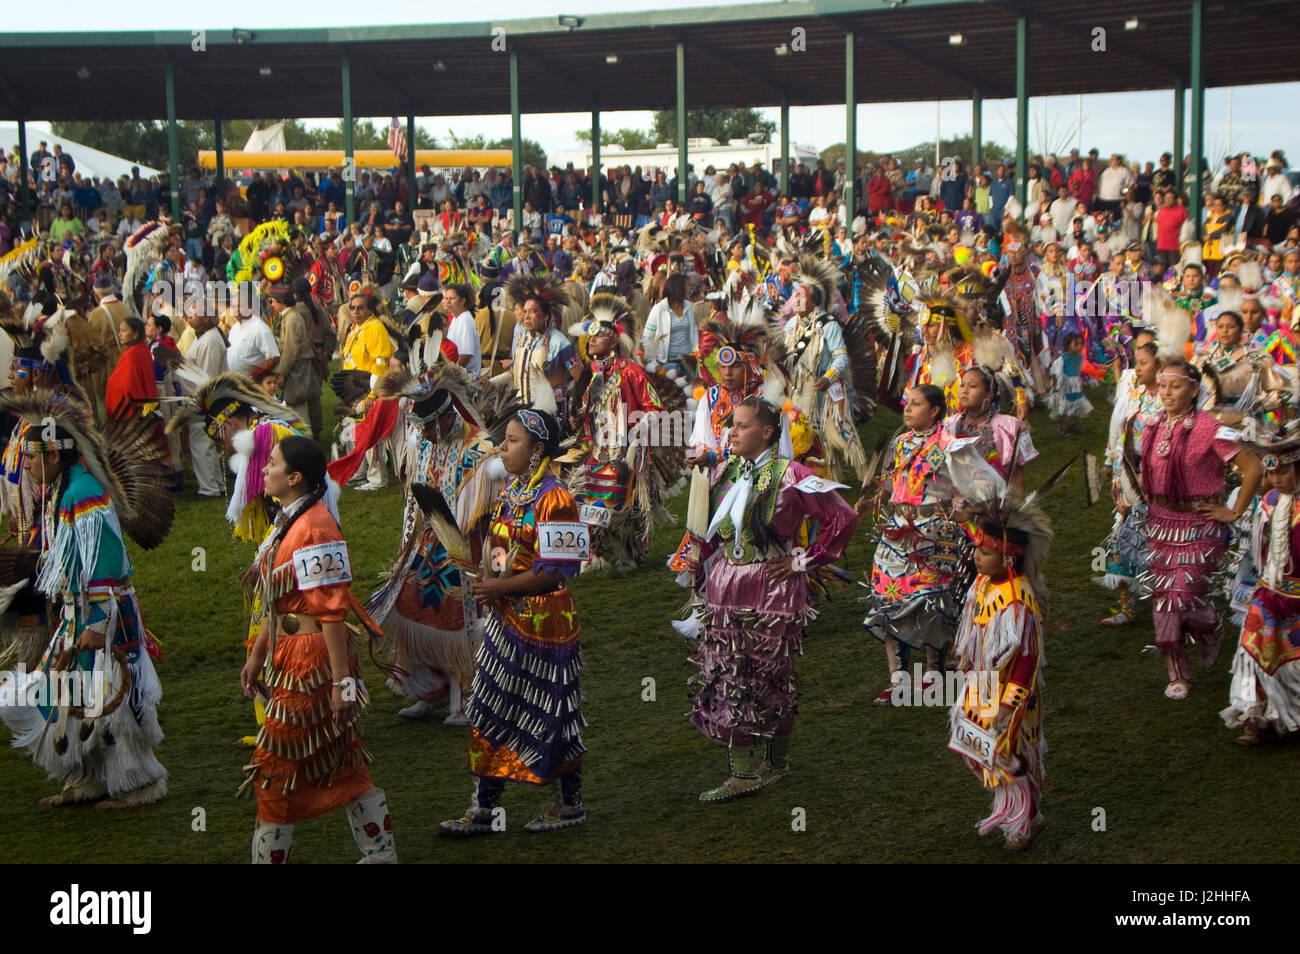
point(719, 124)
point(959, 146)
point(531, 152)
point(627, 138)
point(142, 142)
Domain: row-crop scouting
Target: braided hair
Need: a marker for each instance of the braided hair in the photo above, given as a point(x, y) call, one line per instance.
point(301, 456)
point(767, 416)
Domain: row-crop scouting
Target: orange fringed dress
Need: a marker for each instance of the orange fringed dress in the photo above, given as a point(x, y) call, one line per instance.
point(304, 764)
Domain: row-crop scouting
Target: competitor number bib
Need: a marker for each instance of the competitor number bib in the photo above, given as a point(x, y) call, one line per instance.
point(563, 540)
point(970, 740)
point(322, 565)
point(594, 516)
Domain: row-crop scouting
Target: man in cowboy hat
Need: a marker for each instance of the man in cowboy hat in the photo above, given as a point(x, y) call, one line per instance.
point(422, 295)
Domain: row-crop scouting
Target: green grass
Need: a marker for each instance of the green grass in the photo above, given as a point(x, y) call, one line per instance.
point(876, 784)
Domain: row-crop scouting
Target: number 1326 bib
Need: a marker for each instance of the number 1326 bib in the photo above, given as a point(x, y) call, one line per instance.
point(563, 540)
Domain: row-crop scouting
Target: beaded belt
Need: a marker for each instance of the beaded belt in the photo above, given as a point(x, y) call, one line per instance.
point(1185, 506)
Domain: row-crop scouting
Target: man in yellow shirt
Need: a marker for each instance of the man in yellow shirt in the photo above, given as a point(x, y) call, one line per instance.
point(368, 346)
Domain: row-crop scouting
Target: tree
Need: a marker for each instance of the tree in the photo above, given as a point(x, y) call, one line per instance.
point(627, 138)
point(531, 153)
point(142, 142)
point(719, 124)
point(960, 147)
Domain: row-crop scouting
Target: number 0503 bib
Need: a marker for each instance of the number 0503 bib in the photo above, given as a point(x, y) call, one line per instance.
point(322, 565)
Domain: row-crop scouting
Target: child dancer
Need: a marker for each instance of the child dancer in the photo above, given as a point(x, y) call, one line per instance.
point(1067, 401)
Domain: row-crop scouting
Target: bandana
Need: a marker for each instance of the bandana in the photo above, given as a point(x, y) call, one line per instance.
point(998, 544)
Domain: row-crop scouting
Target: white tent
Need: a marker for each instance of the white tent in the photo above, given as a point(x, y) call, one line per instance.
point(90, 162)
point(270, 139)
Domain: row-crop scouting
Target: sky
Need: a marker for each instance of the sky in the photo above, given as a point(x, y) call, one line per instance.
point(1139, 125)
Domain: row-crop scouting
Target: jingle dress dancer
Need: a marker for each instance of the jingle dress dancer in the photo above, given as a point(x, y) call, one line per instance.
point(1265, 692)
point(309, 758)
point(1000, 439)
point(1137, 406)
point(745, 694)
point(1185, 454)
point(919, 554)
point(524, 705)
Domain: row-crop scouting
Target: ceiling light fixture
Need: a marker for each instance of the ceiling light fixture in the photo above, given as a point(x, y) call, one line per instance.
point(83, 73)
point(956, 39)
point(782, 50)
point(264, 71)
point(612, 59)
point(1131, 23)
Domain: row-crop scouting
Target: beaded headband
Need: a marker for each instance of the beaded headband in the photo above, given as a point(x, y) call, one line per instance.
point(1179, 373)
point(1274, 461)
point(533, 424)
point(215, 422)
point(46, 447)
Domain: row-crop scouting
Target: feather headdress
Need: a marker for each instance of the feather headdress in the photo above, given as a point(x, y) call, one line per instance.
point(1251, 277)
point(1004, 508)
point(753, 335)
point(943, 303)
point(610, 313)
point(822, 277)
point(267, 252)
point(446, 376)
point(652, 240)
point(21, 258)
point(127, 457)
point(144, 249)
point(226, 395)
point(550, 291)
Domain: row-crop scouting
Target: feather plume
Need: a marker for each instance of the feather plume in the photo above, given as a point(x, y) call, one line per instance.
point(1173, 325)
point(822, 277)
point(128, 458)
point(442, 521)
point(549, 289)
point(222, 389)
point(1250, 276)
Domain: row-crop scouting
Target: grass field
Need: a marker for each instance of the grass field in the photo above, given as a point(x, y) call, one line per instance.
point(874, 784)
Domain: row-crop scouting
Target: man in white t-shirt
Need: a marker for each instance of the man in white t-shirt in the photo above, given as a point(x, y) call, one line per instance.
point(251, 342)
point(1113, 186)
point(461, 329)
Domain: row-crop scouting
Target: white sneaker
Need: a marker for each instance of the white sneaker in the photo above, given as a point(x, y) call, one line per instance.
point(371, 486)
point(417, 710)
point(456, 718)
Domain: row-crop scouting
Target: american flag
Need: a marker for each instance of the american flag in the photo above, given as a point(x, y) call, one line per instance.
point(397, 140)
